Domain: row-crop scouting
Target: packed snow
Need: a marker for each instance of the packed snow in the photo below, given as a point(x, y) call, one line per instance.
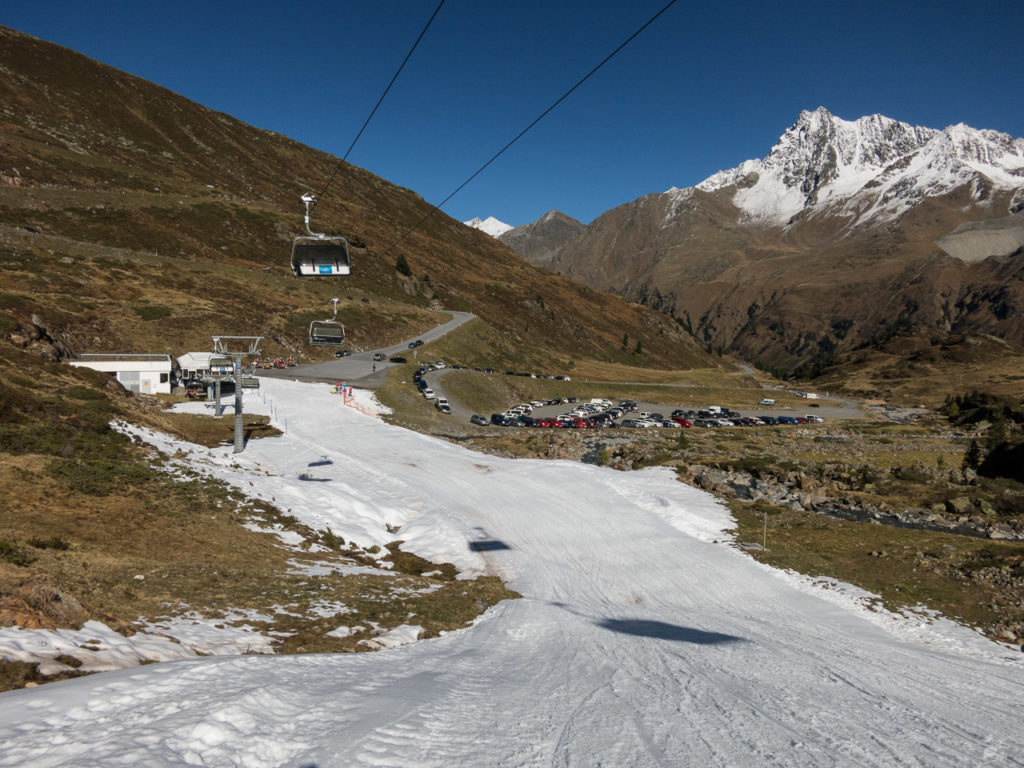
point(490, 225)
point(644, 637)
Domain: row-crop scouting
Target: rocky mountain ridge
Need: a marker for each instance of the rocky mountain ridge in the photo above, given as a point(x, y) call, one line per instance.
point(871, 171)
point(846, 233)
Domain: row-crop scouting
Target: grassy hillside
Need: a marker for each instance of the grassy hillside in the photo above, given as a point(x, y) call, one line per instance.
point(132, 219)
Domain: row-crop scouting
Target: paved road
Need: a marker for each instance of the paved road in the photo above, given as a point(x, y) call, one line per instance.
point(360, 366)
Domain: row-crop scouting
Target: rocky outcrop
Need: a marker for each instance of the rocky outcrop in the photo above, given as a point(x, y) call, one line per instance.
point(801, 492)
point(33, 337)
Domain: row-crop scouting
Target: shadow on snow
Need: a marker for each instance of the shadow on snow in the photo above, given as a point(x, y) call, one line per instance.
point(661, 630)
point(487, 546)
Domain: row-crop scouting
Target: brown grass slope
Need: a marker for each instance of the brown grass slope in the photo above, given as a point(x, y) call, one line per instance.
point(134, 219)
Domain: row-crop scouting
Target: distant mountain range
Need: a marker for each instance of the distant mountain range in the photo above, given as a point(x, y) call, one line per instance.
point(843, 235)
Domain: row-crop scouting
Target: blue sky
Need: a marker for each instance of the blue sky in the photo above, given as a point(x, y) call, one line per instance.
point(706, 87)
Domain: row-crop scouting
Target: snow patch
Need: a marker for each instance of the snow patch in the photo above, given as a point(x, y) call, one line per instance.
point(872, 169)
point(490, 226)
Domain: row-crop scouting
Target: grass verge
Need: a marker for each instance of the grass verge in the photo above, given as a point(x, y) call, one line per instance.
point(975, 581)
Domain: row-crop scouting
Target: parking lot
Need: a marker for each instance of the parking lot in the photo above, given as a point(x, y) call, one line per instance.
point(570, 413)
point(607, 413)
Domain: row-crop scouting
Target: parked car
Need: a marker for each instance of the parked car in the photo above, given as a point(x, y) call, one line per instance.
point(476, 418)
point(343, 353)
point(442, 401)
point(417, 343)
point(500, 419)
point(397, 359)
point(443, 407)
point(429, 393)
point(378, 356)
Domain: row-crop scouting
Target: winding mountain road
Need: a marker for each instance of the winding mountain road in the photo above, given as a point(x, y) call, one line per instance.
point(360, 366)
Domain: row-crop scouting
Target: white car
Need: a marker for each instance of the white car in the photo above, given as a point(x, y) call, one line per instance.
point(429, 393)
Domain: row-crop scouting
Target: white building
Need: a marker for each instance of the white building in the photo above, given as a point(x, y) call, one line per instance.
point(149, 374)
point(196, 366)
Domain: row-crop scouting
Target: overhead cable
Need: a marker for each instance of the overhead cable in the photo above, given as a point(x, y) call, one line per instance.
point(523, 132)
point(379, 101)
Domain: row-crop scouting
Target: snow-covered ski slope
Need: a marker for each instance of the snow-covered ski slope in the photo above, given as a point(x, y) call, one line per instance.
point(642, 638)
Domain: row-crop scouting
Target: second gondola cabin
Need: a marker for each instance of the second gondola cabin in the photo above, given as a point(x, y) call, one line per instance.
point(320, 257)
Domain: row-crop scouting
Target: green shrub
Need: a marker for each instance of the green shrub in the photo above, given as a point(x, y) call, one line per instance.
point(14, 554)
point(85, 393)
point(98, 477)
point(152, 312)
point(402, 265)
point(54, 542)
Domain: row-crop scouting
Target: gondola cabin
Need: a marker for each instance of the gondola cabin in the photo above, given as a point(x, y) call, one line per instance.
point(320, 257)
point(326, 333)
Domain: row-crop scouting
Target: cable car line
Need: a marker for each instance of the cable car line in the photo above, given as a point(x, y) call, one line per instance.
point(322, 255)
point(376, 106)
point(523, 132)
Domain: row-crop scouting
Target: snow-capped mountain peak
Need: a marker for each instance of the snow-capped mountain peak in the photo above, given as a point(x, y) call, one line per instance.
point(872, 168)
point(490, 225)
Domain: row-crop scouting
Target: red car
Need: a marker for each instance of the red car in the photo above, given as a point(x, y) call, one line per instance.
point(682, 422)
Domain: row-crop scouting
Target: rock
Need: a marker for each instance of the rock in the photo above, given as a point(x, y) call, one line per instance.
point(721, 489)
point(961, 505)
point(59, 606)
point(986, 507)
point(1001, 531)
point(808, 483)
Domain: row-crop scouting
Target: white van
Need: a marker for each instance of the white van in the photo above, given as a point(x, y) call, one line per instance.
point(766, 401)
